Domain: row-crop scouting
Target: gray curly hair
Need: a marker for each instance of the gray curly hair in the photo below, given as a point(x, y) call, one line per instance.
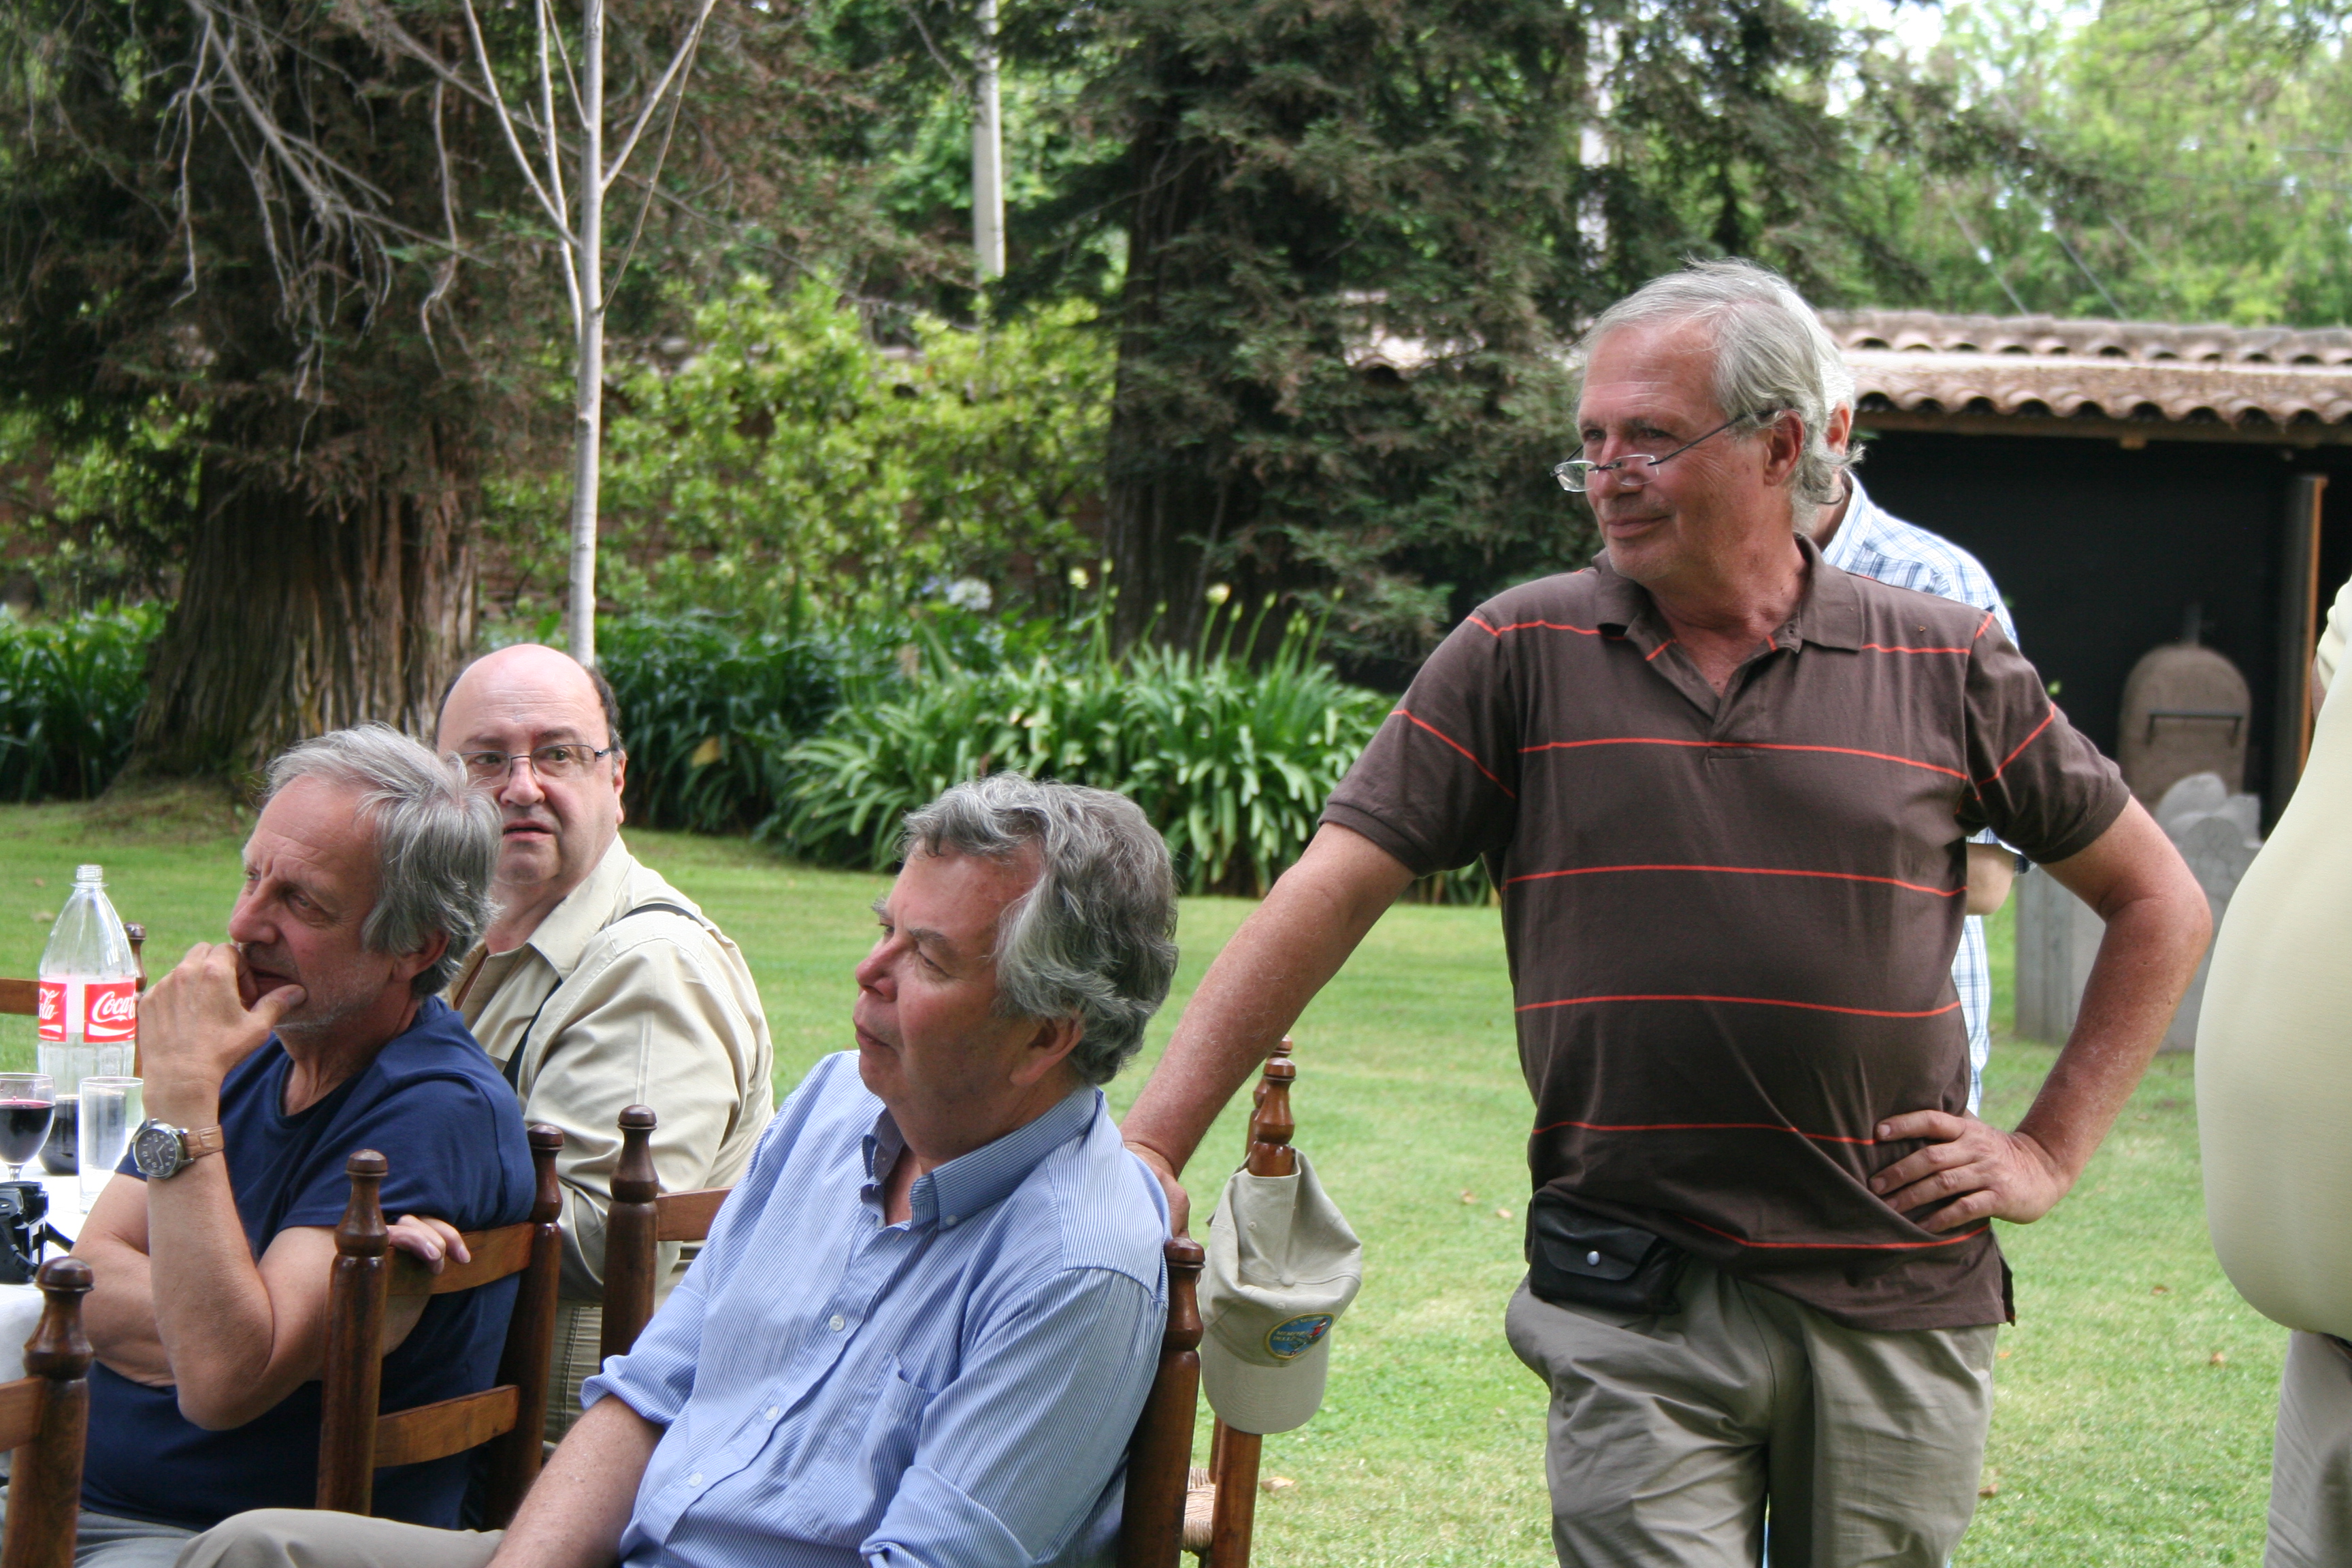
point(436, 841)
point(1772, 358)
point(1095, 938)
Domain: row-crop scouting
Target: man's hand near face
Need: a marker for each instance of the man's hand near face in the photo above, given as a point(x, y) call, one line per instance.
point(198, 1024)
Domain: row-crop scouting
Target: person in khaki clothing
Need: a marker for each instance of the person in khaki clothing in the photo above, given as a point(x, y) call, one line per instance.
point(599, 984)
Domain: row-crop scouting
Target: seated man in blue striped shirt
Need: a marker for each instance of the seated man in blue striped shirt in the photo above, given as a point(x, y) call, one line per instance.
point(927, 1318)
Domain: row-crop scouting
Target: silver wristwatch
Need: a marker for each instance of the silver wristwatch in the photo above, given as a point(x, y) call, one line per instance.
point(161, 1151)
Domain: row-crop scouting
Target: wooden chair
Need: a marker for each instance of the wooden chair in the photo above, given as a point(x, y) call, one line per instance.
point(354, 1440)
point(640, 1218)
point(44, 1417)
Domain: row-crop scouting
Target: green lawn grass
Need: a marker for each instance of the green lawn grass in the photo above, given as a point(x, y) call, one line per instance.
point(2118, 1436)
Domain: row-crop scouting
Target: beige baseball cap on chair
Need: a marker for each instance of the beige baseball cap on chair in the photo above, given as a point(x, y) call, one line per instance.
point(1283, 1266)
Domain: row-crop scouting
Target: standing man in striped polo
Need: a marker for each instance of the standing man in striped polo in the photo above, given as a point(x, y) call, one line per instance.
point(1727, 791)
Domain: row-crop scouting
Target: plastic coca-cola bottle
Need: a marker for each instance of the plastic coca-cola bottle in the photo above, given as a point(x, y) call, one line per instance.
point(89, 1019)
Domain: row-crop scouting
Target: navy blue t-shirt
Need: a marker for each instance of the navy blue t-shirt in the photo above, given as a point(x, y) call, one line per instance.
point(450, 1130)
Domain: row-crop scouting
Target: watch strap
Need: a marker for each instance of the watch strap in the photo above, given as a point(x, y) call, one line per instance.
point(197, 1142)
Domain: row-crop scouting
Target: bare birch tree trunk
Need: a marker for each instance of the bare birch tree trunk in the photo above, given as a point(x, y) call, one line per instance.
point(589, 416)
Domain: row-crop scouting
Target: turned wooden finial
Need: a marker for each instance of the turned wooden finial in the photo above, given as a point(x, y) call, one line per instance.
point(59, 1349)
point(634, 1180)
point(632, 1255)
point(1272, 1125)
point(547, 1195)
point(361, 1233)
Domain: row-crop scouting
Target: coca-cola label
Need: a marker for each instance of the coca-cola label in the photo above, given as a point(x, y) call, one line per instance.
point(112, 1009)
point(49, 1010)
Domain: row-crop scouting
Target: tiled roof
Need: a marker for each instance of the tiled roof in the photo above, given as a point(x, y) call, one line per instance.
point(2040, 368)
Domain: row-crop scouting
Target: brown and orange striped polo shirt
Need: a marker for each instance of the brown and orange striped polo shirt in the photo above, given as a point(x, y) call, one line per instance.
point(1731, 918)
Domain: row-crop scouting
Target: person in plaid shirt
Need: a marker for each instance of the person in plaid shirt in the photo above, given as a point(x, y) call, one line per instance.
point(1858, 535)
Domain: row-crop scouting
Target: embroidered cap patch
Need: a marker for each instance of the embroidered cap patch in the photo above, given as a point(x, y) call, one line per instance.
point(1294, 1337)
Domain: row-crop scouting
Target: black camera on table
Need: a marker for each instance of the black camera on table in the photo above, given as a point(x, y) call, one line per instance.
point(24, 1229)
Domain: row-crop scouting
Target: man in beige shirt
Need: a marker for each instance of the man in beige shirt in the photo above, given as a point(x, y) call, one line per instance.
point(599, 986)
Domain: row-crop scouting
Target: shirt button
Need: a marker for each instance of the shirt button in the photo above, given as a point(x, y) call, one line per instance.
point(695, 1479)
point(770, 1412)
point(951, 1221)
point(838, 1323)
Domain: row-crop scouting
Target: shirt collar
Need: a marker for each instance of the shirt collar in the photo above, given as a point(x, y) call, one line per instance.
point(950, 1193)
point(1858, 532)
point(1829, 613)
point(586, 909)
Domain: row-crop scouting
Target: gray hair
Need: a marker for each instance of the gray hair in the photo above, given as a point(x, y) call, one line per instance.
point(436, 841)
point(1094, 938)
point(1772, 356)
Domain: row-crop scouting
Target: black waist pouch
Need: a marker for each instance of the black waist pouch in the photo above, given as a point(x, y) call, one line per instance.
point(1579, 1258)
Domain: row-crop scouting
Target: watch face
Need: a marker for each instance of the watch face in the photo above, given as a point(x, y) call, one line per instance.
point(155, 1150)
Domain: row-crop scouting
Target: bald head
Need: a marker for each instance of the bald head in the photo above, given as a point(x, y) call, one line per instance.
point(559, 817)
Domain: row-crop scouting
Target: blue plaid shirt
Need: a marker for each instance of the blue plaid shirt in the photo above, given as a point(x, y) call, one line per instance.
point(1874, 542)
point(954, 1389)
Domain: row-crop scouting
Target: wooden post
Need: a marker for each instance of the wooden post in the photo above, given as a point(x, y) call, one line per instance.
point(1249, 1147)
point(2298, 637)
point(353, 1373)
point(44, 1490)
point(514, 1457)
point(631, 1255)
point(1233, 1456)
point(1151, 1532)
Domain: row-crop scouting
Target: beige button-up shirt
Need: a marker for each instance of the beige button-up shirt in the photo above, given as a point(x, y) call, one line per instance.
point(656, 1009)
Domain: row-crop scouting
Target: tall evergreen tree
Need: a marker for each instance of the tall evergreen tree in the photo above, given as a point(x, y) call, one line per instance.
point(1359, 235)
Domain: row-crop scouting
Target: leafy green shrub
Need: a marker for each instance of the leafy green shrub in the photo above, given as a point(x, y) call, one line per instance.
point(70, 690)
point(794, 472)
point(1232, 762)
point(707, 710)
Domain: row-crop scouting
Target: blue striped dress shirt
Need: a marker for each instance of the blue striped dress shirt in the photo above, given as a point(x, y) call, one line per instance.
point(954, 1389)
point(1872, 543)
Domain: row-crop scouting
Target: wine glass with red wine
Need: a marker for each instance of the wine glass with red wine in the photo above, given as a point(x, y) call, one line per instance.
point(27, 1101)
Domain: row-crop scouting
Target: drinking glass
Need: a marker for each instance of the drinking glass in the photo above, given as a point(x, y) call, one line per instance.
point(27, 1101)
point(111, 1107)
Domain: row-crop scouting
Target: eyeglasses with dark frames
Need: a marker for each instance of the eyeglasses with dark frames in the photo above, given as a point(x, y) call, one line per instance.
point(1633, 470)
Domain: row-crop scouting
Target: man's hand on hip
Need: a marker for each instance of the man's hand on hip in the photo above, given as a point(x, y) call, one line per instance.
point(195, 1026)
point(1972, 1168)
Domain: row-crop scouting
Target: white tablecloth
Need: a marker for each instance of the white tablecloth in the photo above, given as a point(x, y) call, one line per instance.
point(20, 1305)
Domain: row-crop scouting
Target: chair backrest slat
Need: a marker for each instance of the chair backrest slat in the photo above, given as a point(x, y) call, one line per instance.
point(44, 1483)
point(355, 1439)
point(495, 1254)
point(21, 1402)
point(688, 1217)
point(447, 1427)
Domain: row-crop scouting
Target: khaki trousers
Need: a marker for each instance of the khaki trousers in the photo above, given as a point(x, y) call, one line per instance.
point(2311, 1463)
point(313, 1537)
point(1672, 1437)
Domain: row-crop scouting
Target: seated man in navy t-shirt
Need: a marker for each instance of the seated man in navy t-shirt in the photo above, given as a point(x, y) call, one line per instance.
point(314, 1032)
